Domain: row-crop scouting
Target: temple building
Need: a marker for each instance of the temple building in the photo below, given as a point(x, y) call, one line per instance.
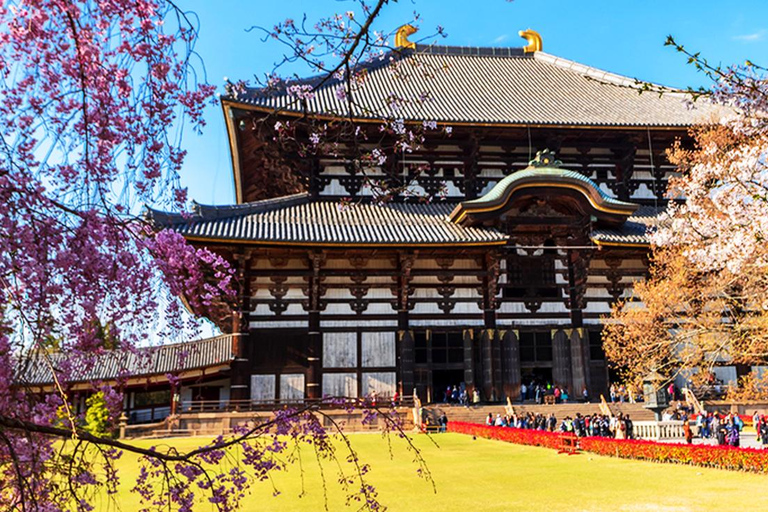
point(548, 174)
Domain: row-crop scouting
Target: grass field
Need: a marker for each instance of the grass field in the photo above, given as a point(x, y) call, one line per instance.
point(484, 475)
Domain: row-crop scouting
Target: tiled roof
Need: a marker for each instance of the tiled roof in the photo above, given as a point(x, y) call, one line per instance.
point(300, 220)
point(495, 86)
point(156, 360)
point(632, 232)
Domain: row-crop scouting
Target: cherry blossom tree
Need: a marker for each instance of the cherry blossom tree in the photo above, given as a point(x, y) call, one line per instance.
point(705, 300)
point(94, 98)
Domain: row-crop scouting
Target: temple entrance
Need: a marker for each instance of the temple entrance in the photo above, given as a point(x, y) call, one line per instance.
point(533, 375)
point(442, 379)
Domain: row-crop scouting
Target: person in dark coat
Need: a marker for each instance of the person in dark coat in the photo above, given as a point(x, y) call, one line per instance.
point(443, 423)
point(721, 434)
point(764, 431)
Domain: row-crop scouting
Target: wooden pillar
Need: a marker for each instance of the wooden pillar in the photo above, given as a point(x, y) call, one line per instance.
point(579, 361)
point(240, 379)
point(406, 360)
point(489, 370)
point(497, 386)
point(511, 359)
point(575, 292)
point(314, 389)
point(469, 361)
point(471, 156)
point(490, 285)
point(561, 360)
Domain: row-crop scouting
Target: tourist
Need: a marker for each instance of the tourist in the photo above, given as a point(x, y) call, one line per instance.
point(538, 392)
point(620, 431)
point(579, 426)
point(499, 421)
point(630, 427)
point(476, 396)
point(687, 431)
point(443, 422)
point(455, 395)
point(464, 398)
point(557, 395)
point(523, 392)
point(551, 422)
point(720, 431)
point(733, 433)
point(585, 395)
point(447, 395)
point(764, 431)
point(612, 392)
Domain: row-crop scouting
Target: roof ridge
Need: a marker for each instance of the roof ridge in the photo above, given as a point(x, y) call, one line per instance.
point(601, 74)
point(479, 51)
point(212, 212)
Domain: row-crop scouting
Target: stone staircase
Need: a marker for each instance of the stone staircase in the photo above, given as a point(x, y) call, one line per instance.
point(478, 414)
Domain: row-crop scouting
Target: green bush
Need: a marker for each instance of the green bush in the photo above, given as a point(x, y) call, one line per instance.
point(97, 416)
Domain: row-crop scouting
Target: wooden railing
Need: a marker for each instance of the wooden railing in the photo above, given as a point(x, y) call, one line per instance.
point(197, 406)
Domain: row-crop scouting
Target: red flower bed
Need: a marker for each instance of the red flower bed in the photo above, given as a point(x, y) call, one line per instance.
point(511, 435)
point(723, 457)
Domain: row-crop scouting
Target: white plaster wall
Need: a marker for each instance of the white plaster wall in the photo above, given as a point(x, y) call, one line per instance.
point(291, 386)
point(382, 383)
point(378, 349)
point(263, 387)
point(340, 384)
point(339, 350)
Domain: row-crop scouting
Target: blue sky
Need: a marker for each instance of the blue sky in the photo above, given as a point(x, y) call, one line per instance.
point(621, 36)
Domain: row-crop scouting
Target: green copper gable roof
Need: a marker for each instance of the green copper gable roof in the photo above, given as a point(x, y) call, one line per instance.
point(545, 173)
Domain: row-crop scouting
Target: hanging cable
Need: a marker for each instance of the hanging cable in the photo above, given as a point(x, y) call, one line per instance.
point(653, 171)
point(530, 157)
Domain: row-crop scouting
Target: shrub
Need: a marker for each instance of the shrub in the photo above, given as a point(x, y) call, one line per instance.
point(97, 415)
point(723, 457)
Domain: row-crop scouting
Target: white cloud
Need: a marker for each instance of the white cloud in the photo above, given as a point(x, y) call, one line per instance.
point(754, 36)
point(501, 38)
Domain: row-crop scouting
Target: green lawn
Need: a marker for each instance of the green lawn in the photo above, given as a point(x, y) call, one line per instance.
point(485, 475)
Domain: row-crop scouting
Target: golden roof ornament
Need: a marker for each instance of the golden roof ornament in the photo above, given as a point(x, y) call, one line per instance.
point(545, 158)
point(401, 37)
point(534, 40)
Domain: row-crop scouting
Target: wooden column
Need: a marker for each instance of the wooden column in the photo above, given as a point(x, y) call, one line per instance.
point(561, 359)
point(488, 369)
point(511, 359)
point(497, 385)
point(240, 380)
point(406, 360)
point(578, 271)
point(469, 361)
point(314, 389)
point(490, 286)
point(471, 156)
point(579, 361)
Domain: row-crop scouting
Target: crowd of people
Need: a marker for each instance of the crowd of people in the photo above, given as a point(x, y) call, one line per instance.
point(595, 425)
point(536, 391)
point(460, 395)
